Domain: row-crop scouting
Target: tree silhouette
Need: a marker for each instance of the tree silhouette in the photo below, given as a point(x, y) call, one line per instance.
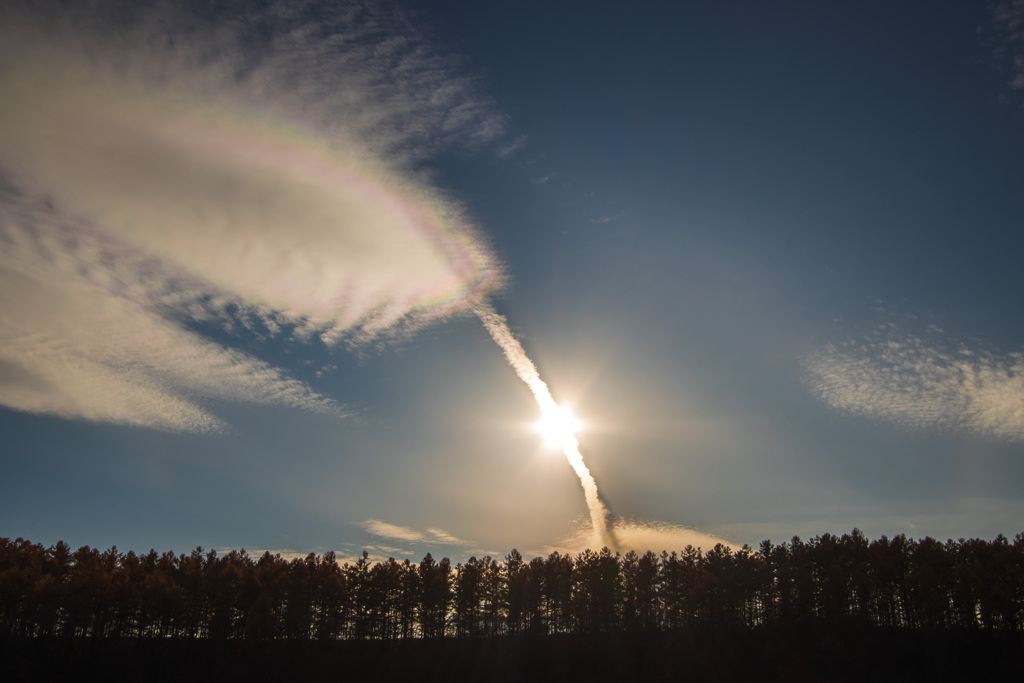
point(435, 596)
point(893, 583)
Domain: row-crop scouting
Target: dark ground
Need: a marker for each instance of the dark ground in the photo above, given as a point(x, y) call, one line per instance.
point(805, 654)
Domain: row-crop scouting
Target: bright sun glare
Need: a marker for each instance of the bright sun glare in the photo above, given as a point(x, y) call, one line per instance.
point(558, 426)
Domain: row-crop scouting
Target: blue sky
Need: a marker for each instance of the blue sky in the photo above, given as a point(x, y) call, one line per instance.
point(768, 254)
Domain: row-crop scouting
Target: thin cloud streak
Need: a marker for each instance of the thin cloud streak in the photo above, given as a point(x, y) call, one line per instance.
point(400, 533)
point(919, 383)
point(385, 530)
point(445, 538)
point(154, 175)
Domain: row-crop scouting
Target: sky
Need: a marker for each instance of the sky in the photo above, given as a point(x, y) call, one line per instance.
point(255, 256)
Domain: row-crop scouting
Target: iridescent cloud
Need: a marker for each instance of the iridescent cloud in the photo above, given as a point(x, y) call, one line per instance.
point(154, 178)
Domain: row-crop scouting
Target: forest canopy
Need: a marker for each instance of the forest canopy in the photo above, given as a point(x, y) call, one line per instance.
point(889, 582)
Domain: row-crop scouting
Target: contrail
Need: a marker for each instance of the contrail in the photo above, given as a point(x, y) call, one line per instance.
point(497, 326)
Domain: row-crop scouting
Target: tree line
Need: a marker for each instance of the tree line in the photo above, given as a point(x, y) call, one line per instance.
point(894, 583)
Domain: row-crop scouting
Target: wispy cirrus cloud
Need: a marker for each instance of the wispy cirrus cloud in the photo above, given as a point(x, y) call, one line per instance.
point(160, 168)
point(1004, 35)
point(82, 334)
point(922, 382)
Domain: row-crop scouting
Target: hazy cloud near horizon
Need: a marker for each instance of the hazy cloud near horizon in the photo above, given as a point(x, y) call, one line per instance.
point(628, 534)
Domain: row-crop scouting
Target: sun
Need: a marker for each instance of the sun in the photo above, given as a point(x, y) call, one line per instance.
point(558, 426)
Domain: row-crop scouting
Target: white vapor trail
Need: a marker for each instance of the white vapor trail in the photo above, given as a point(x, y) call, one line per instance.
point(498, 328)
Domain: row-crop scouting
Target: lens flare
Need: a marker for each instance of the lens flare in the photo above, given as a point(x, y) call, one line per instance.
point(558, 426)
point(558, 421)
